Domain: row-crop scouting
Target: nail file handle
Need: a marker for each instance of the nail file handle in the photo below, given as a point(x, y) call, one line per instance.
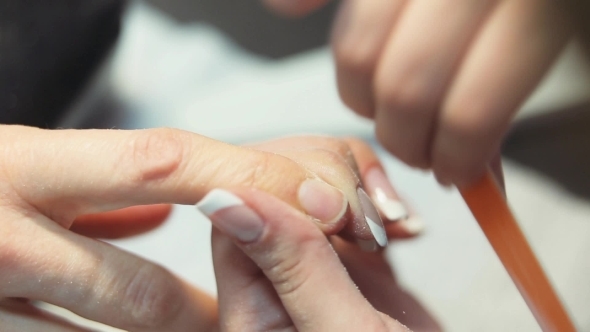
point(491, 211)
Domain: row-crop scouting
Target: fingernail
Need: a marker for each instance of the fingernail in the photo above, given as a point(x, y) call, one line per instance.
point(322, 201)
point(384, 195)
point(413, 225)
point(367, 245)
point(230, 215)
point(372, 217)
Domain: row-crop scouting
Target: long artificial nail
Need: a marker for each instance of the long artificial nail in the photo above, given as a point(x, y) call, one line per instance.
point(322, 201)
point(384, 195)
point(412, 225)
point(230, 215)
point(372, 217)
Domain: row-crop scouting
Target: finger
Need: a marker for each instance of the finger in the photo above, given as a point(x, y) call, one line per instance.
point(314, 153)
point(240, 283)
point(16, 316)
point(513, 51)
point(365, 223)
point(42, 261)
point(399, 220)
point(415, 69)
point(375, 279)
point(122, 223)
point(90, 171)
point(358, 37)
point(296, 257)
point(318, 142)
point(294, 8)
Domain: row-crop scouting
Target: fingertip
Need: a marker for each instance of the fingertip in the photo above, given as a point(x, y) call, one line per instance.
point(458, 165)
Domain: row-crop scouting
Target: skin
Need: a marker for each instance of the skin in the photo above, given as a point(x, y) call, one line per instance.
point(61, 188)
point(442, 80)
point(290, 279)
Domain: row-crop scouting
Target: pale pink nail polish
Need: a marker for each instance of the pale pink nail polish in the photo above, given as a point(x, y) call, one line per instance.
point(372, 217)
point(322, 201)
point(230, 215)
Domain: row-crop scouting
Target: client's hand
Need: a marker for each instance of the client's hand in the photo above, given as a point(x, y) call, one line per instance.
point(276, 271)
point(48, 179)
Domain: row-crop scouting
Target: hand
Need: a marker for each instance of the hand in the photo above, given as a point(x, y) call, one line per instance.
point(50, 178)
point(441, 79)
point(276, 271)
point(352, 165)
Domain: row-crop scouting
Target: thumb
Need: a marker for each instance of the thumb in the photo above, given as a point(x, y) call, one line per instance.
point(297, 259)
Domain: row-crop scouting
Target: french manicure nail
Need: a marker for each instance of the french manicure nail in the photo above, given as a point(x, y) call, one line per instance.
point(322, 201)
point(384, 195)
point(230, 215)
point(413, 225)
point(372, 217)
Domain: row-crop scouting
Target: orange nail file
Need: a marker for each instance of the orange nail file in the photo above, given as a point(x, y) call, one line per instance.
point(491, 211)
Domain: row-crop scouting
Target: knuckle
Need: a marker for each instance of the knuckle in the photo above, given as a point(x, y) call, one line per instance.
point(356, 64)
point(152, 297)
point(155, 153)
point(469, 125)
point(288, 273)
point(342, 148)
point(461, 128)
point(337, 146)
point(340, 163)
point(412, 156)
point(406, 99)
point(257, 176)
point(330, 157)
point(355, 59)
point(464, 128)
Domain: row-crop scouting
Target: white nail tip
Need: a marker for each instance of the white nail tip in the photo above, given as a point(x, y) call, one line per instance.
point(378, 232)
point(218, 199)
point(413, 225)
point(391, 209)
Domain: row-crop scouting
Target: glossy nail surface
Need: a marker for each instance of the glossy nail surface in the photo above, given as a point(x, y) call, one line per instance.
point(322, 201)
point(230, 215)
point(372, 217)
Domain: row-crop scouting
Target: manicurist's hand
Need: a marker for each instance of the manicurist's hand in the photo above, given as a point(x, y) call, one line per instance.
point(276, 271)
point(441, 79)
point(61, 189)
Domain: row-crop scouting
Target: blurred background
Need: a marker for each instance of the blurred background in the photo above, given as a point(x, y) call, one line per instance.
point(230, 70)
